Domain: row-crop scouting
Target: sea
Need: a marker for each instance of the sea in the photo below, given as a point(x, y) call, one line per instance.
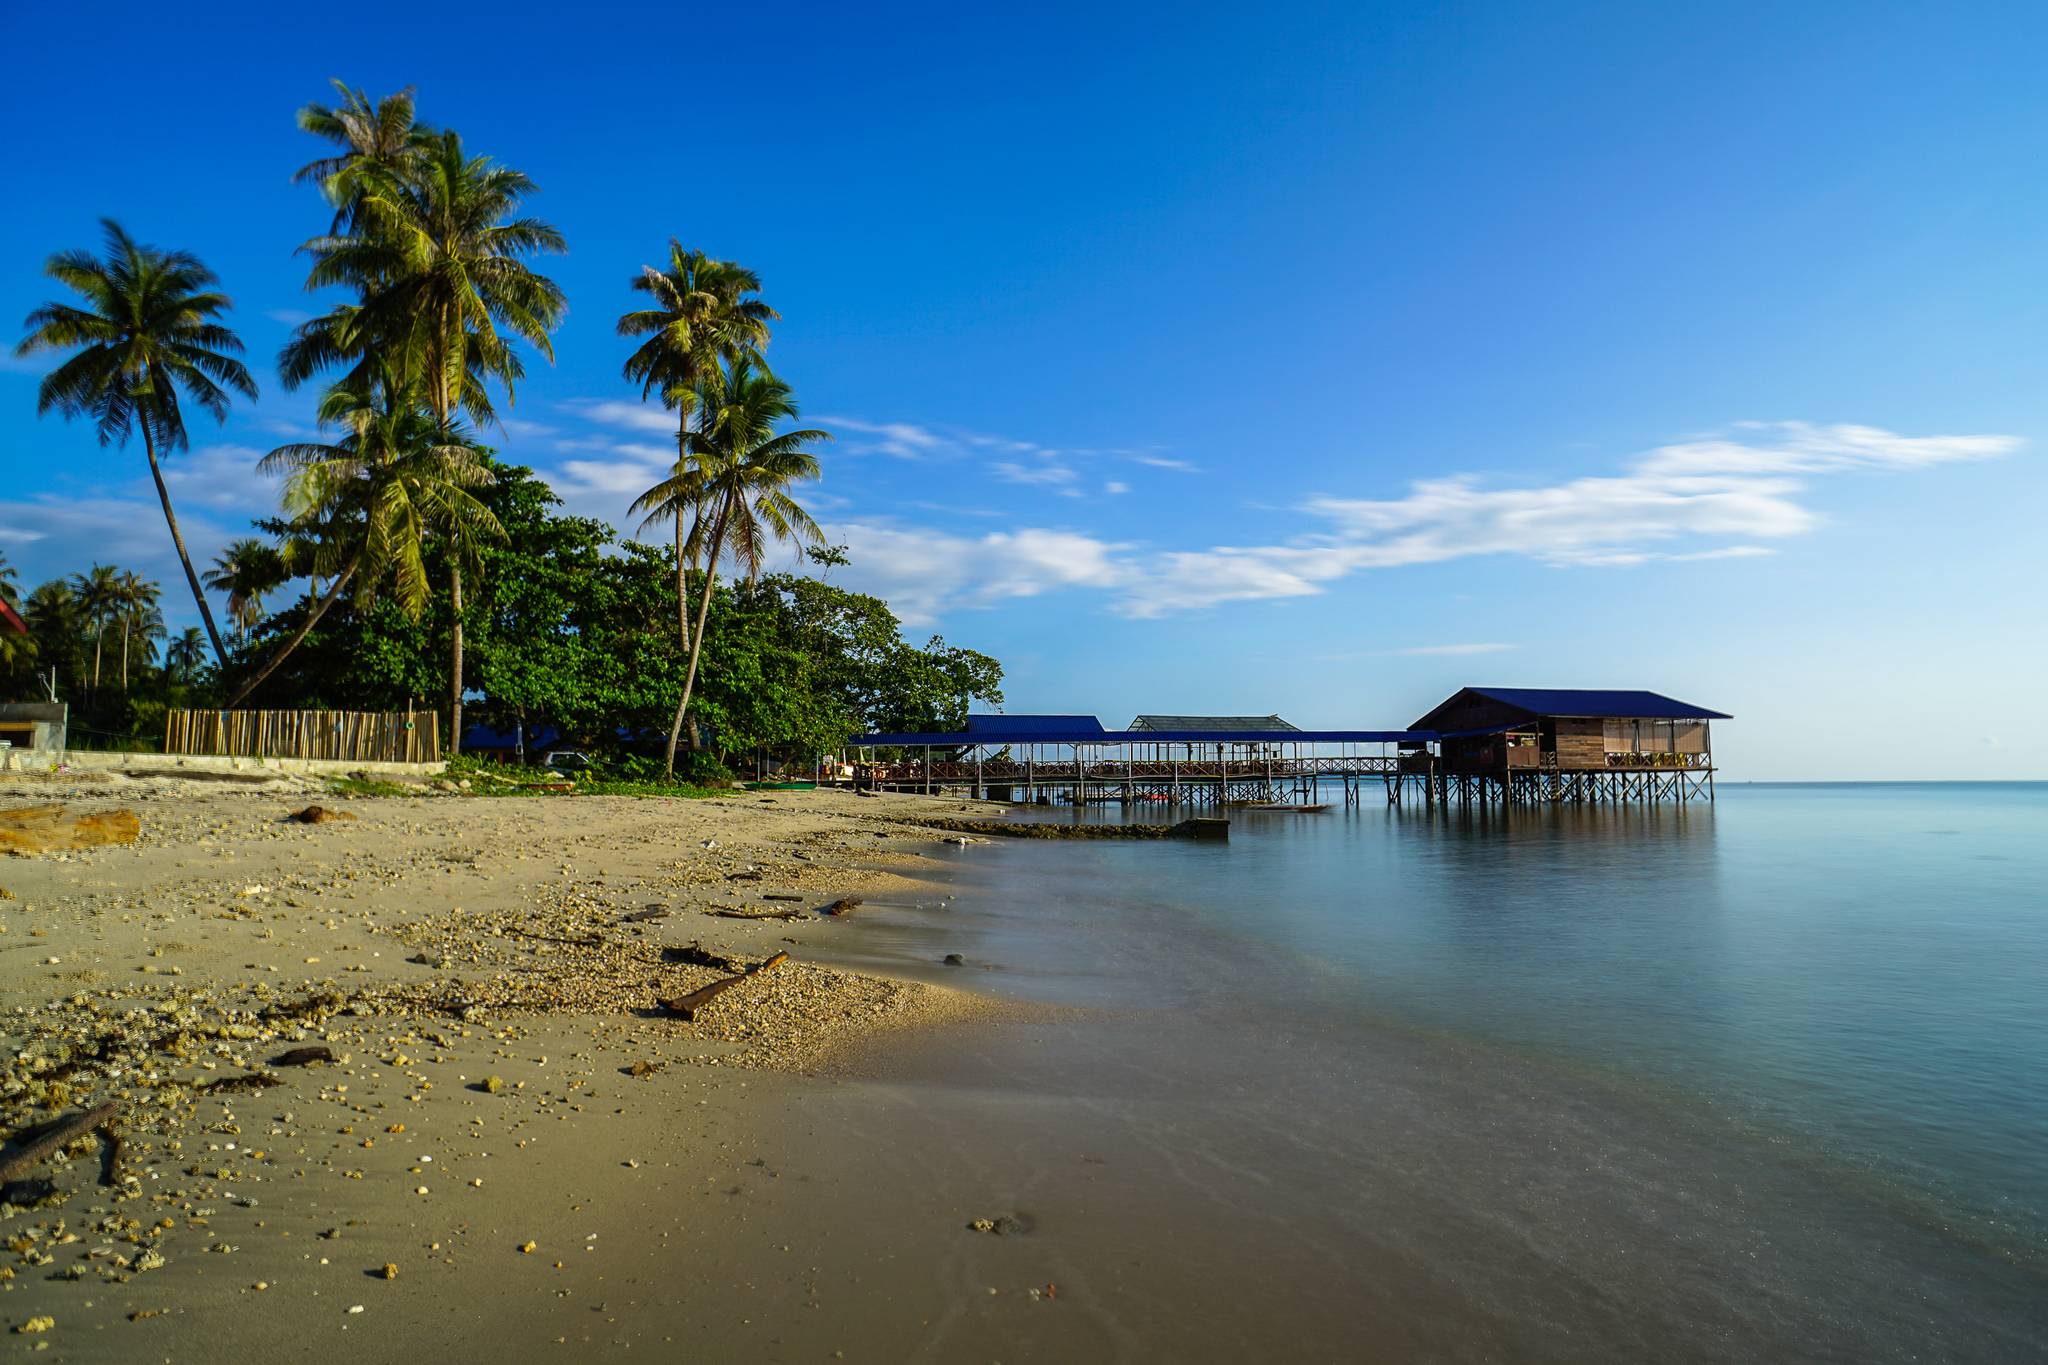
point(1761, 1079)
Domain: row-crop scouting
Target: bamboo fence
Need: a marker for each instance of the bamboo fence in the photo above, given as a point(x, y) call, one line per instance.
point(346, 736)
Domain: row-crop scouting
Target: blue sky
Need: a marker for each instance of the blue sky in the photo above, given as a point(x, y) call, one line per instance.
point(1310, 359)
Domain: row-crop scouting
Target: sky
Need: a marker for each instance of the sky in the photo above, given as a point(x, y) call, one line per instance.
point(1316, 360)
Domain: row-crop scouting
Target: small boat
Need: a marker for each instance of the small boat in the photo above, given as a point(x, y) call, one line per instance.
point(1283, 805)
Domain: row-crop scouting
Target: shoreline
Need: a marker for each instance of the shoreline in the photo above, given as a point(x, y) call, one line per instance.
point(477, 967)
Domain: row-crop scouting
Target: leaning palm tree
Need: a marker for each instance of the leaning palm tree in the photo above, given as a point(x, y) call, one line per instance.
point(247, 571)
point(704, 312)
point(147, 332)
point(396, 480)
point(748, 468)
point(437, 258)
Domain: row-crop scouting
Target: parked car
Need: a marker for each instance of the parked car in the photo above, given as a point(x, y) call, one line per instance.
point(567, 761)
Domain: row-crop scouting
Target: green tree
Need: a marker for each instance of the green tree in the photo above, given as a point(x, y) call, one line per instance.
point(184, 655)
point(748, 469)
point(702, 313)
point(436, 257)
point(98, 592)
point(140, 616)
point(248, 571)
point(377, 139)
point(147, 332)
point(398, 478)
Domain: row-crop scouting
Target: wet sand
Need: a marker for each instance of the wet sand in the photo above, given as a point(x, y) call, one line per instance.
point(1178, 1150)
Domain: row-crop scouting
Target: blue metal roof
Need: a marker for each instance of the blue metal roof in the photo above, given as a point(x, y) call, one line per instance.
point(1010, 726)
point(989, 735)
point(1574, 701)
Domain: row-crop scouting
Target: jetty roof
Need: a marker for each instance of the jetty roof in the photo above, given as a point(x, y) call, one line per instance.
point(987, 730)
point(1575, 702)
point(1236, 724)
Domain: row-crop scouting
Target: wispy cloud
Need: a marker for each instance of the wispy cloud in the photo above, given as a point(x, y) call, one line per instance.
point(1166, 462)
point(290, 317)
point(632, 416)
point(1729, 491)
point(1043, 475)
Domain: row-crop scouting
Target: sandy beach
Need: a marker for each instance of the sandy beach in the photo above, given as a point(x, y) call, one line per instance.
point(509, 1118)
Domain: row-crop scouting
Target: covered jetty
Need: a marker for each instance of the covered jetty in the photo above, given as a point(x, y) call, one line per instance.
point(1484, 746)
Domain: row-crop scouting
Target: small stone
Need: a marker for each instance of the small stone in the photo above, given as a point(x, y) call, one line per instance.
point(491, 1085)
point(34, 1325)
point(389, 1272)
point(528, 1248)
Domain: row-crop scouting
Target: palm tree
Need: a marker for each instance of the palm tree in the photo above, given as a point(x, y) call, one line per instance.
point(436, 256)
point(98, 592)
point(137, 610)
point(247, 571)
point(147, 332)
point(704, 312)
point(185, 653)
point(396, 479)
point(9, 589)
point(748, 468)
point(377, 138)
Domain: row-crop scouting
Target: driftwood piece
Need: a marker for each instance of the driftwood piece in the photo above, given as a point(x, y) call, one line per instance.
point(642, 916)
point(725, 913)
point(779, 896)
point(303, 1056)
point(62, 1133)
point(253, 1080)
point(687, 1006)
point(845, 905)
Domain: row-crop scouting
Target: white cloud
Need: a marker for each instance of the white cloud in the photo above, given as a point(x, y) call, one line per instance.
point(1733, 490)
point(290, 317)
point(220, 477)
point(1044, 475)
point(1115, 486)
point(1166, 462)
point(1457, 650)
point(903, 440)
point(634, 416)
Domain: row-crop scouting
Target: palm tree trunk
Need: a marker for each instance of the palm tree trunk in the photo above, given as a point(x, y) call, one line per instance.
point(178, 539)
point(697, 645)
point(126, 622)
point(312, 620)
point(455, 664)
point(99, 639)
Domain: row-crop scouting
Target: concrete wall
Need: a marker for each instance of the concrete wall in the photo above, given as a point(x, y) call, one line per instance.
point(146, 765)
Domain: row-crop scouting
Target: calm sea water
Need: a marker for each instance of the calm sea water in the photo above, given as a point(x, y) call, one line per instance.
point(1838, 993)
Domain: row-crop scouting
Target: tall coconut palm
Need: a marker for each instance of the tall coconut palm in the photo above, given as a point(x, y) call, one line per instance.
point(703, 312)
point(247, 571)
point(748, 468)
point(376, 137)
point(148, 331)
point(437, 259)
point(395, 480)
point(140, 616)
point(98, 592)
point(184, 654)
